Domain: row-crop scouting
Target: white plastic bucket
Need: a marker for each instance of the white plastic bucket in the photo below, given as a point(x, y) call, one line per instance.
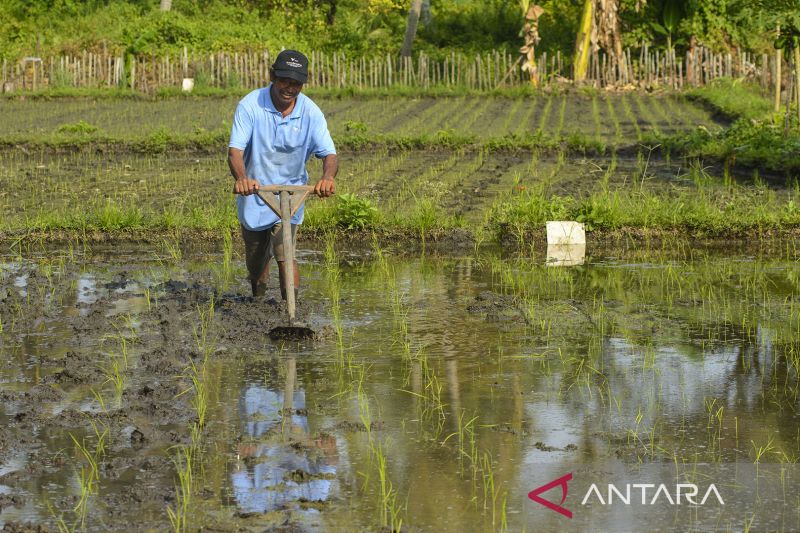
point(565, 232)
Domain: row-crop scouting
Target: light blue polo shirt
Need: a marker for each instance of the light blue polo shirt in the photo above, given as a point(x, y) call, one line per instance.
point(276, 149)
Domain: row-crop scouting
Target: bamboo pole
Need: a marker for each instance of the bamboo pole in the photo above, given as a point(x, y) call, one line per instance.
point(778, 79)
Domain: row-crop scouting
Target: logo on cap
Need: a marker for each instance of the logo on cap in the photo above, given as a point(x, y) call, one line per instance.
point(293, 63)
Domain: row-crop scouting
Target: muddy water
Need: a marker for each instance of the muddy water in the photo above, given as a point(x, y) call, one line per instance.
point(440, 391)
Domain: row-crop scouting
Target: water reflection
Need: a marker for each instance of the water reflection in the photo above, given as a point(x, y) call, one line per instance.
point(279, 463)
point(536, 371)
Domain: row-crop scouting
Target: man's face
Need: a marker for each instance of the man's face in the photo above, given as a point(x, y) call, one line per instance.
point(286, 89)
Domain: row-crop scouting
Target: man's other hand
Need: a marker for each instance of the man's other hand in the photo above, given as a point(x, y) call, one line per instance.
point(245, 186)
point(325, 187)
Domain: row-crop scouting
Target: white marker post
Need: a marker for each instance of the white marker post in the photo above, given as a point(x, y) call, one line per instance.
point(566, 243)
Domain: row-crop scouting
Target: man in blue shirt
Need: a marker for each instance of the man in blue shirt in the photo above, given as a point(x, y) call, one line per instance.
point(275, 131)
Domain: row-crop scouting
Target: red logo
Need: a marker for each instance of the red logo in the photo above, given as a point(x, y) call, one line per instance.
point(562, 481)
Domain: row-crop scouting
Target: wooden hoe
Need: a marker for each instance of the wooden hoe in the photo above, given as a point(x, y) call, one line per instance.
point(285, 200)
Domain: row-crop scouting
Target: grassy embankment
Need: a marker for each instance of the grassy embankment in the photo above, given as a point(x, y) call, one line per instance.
point(758, 138)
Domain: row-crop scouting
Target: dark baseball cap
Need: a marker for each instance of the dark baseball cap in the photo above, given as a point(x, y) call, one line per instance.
point(291, 64)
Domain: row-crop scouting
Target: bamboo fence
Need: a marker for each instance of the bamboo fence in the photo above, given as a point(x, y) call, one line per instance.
point(646, 68)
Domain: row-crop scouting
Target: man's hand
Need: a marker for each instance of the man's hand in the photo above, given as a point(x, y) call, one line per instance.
point(325, 187)
point(245, 186)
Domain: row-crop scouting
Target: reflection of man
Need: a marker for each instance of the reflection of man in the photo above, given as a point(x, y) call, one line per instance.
point(275, 131)
point(289, 465)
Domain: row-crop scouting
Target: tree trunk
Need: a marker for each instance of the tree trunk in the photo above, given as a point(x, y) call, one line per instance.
point(426, 12)
point(607, 31)
point(796, 53)
point(583, 42)
point(411, 27)
point(166, 5)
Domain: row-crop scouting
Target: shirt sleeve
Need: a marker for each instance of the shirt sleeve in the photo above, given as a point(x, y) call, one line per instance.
point(242, 129)
point(322, 144)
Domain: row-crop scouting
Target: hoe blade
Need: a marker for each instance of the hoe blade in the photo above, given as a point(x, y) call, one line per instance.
point(291, 333)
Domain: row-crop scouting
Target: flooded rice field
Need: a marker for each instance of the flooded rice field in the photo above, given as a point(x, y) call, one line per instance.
point(140, 391)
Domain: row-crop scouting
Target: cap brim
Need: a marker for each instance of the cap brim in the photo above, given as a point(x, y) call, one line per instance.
point(293, 74)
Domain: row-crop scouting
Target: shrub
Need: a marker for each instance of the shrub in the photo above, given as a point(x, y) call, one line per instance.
point(354, 213)
point(598, 212)
point(77, 128)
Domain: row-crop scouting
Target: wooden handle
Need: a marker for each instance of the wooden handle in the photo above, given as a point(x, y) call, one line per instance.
point(278, 188)
point(290, 188)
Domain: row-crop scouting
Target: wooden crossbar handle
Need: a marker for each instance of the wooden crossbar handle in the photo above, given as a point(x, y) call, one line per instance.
point(278, 188)
point(289, 188)
point(273, 196)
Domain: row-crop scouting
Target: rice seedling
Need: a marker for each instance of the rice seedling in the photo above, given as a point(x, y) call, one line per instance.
point(199, 387)
point(179, 515)
point(227, 256)
point(661, 112)
point(523, 126)
point(89, 474)
point(390, 508)
point(513, 114)
point(100, 401)
point(147, 297)
point(333, 278)
point(115, 374)
point(205, 315)
point(646, 114)
point(172, 248)
point(465, 435)
point(618, 137)
point(545, 115)
point(759, 451)
point(598, 121)
point(562, 110)
point(626, 106)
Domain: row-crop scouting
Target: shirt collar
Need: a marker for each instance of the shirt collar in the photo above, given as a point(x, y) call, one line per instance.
point(266, 102)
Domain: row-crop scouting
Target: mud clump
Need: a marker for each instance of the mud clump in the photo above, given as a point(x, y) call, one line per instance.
point(15, 527)
point(353, 427)
point(69, 339)
point(497, 307)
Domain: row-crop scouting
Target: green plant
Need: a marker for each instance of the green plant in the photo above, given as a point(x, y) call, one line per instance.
point(179, 515)
point(355, 127)
point(353, 212)
point(77, 128)
point(61, 79)
point(158, 140)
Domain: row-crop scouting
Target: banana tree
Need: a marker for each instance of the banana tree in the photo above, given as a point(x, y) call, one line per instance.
point(599, 28)
point(530, 35)
point(583, 42)
point(672, 12)
point(608, 28)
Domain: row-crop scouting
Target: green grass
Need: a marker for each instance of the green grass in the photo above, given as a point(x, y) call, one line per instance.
point(734, 99)
point(745, 142)
point(701, 214)
point(112, 217)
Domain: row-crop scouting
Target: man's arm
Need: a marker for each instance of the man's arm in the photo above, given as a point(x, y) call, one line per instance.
point(243, 185)
point(326, 186)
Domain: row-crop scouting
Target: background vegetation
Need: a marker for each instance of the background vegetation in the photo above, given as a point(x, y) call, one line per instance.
point(366, 26)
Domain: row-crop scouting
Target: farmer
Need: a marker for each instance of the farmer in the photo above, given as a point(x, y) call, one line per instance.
point(275, 131)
